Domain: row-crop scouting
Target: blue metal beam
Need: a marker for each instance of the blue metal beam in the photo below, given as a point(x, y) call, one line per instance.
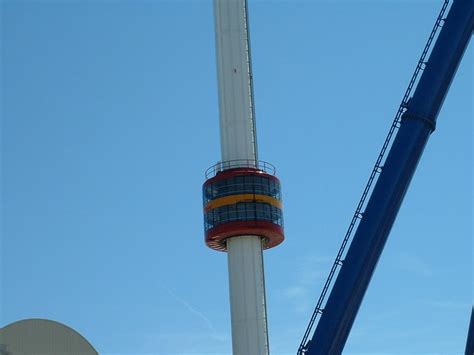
point(470, 336)
point(417, 124)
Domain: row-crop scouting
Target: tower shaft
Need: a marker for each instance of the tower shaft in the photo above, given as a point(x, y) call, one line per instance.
point(239, 149)
point(247, 295)
point(236, 108)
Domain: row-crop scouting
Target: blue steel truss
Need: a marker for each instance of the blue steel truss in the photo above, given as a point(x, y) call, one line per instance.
point(377, 169)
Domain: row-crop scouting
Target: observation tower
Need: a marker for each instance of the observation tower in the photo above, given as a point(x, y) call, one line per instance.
point(241, 195)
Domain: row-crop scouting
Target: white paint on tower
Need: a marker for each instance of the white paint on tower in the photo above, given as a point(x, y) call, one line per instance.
point(238, 144)
point(237, 125)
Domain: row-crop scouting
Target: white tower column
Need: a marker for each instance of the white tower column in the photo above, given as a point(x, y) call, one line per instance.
point(247, 295)
point(236, 110)
point(238, 143)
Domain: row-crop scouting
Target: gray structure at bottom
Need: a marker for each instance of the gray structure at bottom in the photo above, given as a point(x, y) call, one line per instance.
point(42, 337)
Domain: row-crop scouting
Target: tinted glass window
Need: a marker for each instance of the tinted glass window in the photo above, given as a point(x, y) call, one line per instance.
point(241, 211)
point(242, 185)
point(232, 213)
point(244, 211)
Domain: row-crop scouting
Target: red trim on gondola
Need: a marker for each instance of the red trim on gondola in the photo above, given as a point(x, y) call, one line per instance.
point(215, 237)
point(239, 172)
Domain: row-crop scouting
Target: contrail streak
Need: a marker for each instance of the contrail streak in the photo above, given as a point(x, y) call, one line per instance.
point(193, 310)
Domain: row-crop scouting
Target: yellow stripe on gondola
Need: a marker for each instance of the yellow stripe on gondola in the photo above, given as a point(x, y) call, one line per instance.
point(230, 200)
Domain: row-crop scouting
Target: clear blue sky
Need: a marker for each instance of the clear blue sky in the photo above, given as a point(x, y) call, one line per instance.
point(110, 118)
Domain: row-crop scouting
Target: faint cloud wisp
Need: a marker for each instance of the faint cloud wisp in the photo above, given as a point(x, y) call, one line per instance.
point(197, 313)
point(310, 271)
point(414, 264)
